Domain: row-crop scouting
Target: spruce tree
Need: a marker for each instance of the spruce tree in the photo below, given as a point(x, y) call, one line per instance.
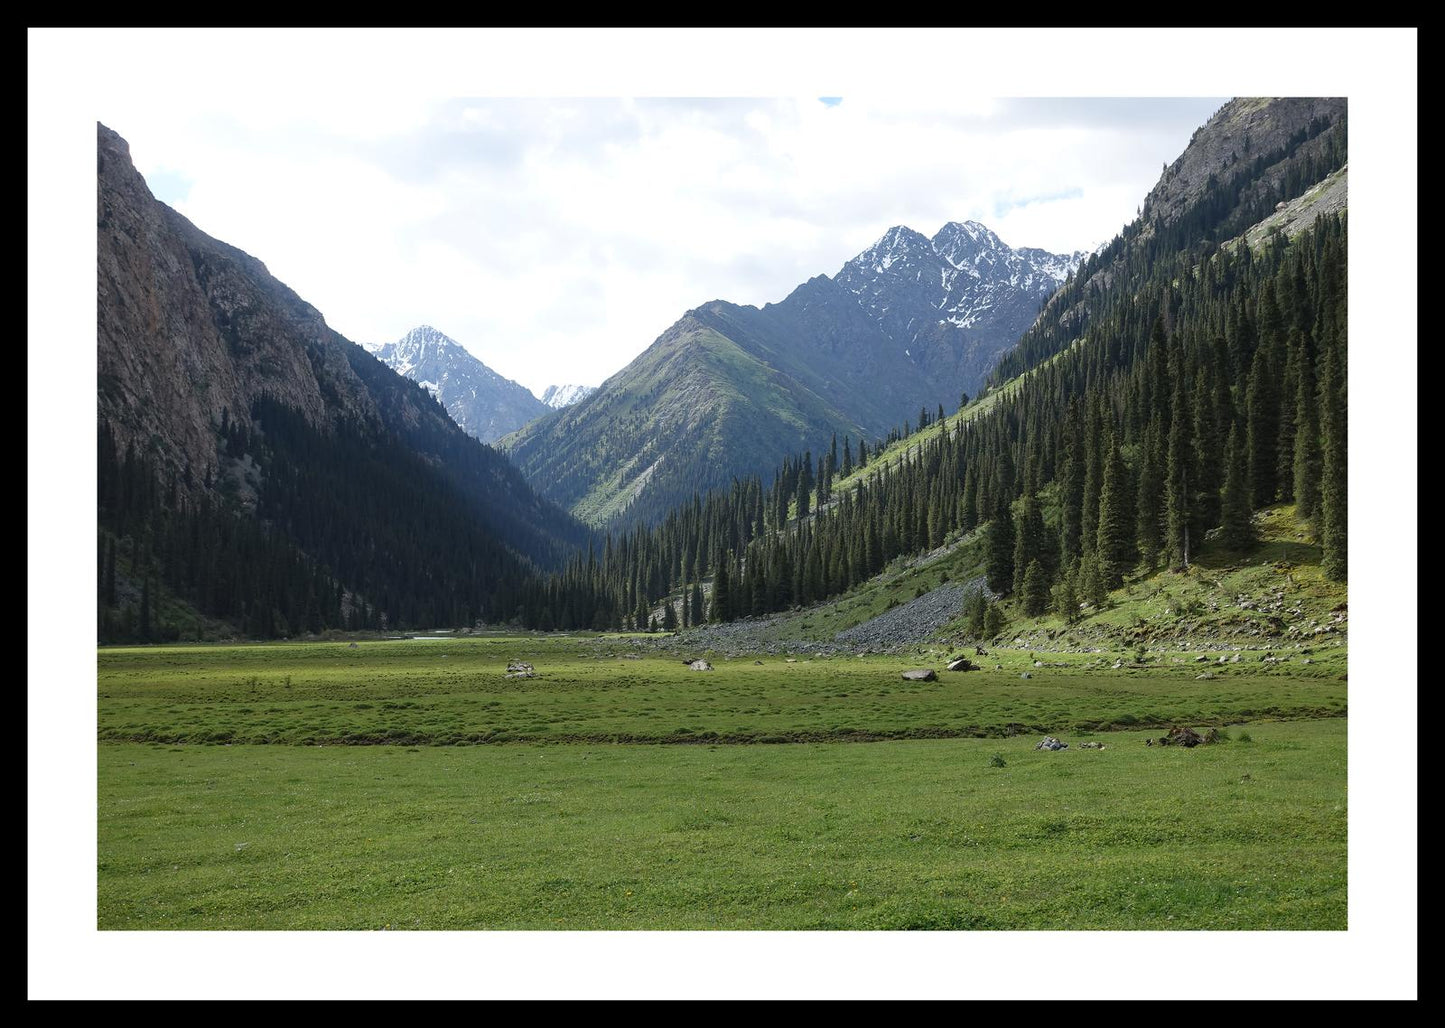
point(977, 608)
point(1334, 481)
point(1236, 531)
point(1262, 441)
point(1178, 498)
point(1115, 546)
point(999, 547)
point(697, 610)
point(1065, 593)
point(1035, 590)
point(1308, 458)
point(1150, 500)
point(721, 591)
point(994, 621)
point(1030, 542)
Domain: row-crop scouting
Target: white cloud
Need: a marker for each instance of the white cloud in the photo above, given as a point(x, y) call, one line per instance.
point(493, 218)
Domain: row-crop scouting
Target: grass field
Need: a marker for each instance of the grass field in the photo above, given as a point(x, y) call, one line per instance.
point(597, 690)
point(924, 834)
point(575, 815)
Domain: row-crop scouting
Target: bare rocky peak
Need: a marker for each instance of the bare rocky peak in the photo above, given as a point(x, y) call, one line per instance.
point(1240, 131)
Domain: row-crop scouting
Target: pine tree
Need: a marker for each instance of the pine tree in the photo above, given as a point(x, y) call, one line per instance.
point(977, 608)
point(1030, 542)
point(1035, 590)
point(1150, 500)
point(697, 610)
point(721, 591)
point(1334, 481)
point(1308, 459)
point(1262, 441)
point(1236, 530)
point(1179, 508)
point(999, 547)
point(1065, 594)
point(994, 621)
point(1115, 547)
point(669, 617)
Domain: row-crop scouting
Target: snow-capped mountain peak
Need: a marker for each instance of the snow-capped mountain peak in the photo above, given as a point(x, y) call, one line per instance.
point(558, 396)
point(923, 292)
point(482, 402)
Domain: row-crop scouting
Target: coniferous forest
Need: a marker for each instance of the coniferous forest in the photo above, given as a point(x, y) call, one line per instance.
point(1215, 389)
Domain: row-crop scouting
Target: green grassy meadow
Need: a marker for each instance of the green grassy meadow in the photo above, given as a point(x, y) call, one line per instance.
point(615, 791)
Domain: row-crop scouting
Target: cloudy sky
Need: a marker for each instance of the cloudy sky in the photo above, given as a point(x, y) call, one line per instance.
point(557, 238)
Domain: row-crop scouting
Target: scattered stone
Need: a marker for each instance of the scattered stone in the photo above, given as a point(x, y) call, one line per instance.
point(923, 674)
point(1181, 736)
point(791, 660)
point(1117, 665)
point(519, 666)
point(757, 662)
point(521, 674)
point(963, 664)
point(1207, 676)
point(1038, 663)
point(632, 656)
point(1199, 658)
point(1234, 659)
point(700, 665)
point(998, 667)
point(1148, 742)
point(351, 646)
point(1093, 745)
point(1026, 675)
point(1050, 743)
point(979, 651)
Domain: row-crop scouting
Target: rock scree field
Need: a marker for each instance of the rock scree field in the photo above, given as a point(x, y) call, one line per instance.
point(409, 784)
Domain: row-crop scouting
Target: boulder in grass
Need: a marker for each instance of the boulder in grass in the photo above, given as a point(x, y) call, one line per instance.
point(1091, 746)
point(923, 674)
point(1181, 736)
point(700, 665)
point(963, 664)
point(516, 667)
point(1050, 743)
point(521, 674)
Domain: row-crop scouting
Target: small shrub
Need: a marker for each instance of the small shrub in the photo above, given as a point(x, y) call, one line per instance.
point(997, 761)
point(1245, 737)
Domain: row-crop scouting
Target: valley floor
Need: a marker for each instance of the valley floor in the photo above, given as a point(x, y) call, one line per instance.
point(573, 814)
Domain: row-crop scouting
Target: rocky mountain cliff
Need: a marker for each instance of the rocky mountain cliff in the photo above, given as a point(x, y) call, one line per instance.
point(482, 402)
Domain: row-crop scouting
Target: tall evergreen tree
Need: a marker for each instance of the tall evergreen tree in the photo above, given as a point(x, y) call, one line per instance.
point(1236, 530)
point(999, 547)
point(1262, 411)
point(1334, 481)
point(1150, 501)
point(1308, 456)
point(1115, 547)
point(1035, 590)
point(1178, 497)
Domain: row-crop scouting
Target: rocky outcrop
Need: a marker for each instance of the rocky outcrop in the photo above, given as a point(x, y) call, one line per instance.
point(190, 330)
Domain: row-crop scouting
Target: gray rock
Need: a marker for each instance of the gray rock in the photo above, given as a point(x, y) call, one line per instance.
point(923, 674)
point(963, 664)
point(521, 674)
point(1026, 675)
point(700, 665)
point(1092, 745)
point(1050, 743)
